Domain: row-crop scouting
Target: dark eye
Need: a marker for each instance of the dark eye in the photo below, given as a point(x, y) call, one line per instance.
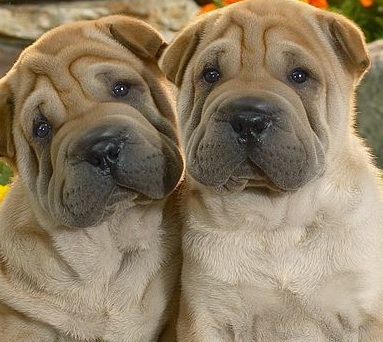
point(211, 75)
point(120, 89)
point(299, 75)
point(42, 129)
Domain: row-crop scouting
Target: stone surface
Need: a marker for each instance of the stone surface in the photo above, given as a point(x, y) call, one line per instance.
point(31, 20)
point(370, 103)
point(9, 51)
point(23, 23)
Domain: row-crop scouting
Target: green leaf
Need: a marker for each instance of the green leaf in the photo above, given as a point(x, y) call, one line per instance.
point(5, 173)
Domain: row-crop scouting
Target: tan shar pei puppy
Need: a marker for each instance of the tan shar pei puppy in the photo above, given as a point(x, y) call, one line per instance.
point(88, 242)
point(284, 236)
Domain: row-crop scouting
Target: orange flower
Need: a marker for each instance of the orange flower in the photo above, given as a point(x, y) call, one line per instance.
point(366, 3)
point(319, 3)
point(216, 4)
point(207, 8)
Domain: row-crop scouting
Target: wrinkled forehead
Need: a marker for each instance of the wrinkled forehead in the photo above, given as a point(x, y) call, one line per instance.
point(59, 52)
point(257, 26)
point(53, 41)
point(64, 44)
point(290, 10)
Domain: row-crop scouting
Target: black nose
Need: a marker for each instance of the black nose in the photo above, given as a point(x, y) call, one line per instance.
point(250, 125)
point(103, 154)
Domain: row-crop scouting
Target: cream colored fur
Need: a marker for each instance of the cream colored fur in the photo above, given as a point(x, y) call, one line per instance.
point(302, 259)
point(87, 253)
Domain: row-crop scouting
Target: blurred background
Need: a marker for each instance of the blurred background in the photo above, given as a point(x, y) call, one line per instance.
point(23, 21)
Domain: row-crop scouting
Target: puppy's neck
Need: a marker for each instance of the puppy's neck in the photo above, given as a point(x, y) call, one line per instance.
point(136, 228)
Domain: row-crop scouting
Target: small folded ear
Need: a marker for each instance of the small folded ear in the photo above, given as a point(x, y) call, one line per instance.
point(7, 149)
point(178, 54)
point(136, 35)
point(349, 43)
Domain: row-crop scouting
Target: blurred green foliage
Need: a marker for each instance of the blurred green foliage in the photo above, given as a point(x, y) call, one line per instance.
point(5, 173)
point(369, 19)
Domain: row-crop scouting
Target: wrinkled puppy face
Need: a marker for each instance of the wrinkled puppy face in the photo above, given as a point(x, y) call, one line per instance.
point(92, 122)
point(264, 85)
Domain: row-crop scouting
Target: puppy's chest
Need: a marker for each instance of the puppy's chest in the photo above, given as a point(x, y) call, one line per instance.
point(279, 245)
point(287, 289)
point(306, 272)
point(286, 259)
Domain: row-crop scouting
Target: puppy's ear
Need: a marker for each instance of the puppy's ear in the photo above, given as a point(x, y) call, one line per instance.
point(7, 149)
point(348, 42)
point(136, 35)
point(178, 54)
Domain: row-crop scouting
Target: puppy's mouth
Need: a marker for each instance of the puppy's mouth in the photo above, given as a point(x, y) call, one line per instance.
point(247, 177)
point(86, 217)
point(126, 195)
